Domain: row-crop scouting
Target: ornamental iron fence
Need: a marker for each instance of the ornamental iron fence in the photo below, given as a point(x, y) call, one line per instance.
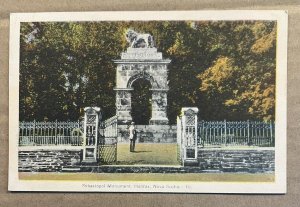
point(236, 133)
point(50, 133)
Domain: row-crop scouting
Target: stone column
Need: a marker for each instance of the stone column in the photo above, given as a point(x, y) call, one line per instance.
point(123, 104)
point(159, 107)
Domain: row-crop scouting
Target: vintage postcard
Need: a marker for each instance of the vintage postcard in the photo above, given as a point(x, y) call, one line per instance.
point(165, 101)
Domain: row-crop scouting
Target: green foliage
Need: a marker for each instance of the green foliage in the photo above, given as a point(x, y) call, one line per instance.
point(67, 66)
point(243, 76)
point(227, 69)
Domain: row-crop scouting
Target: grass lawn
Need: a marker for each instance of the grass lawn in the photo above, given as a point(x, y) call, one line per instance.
point(196, 177)
point(152, 154)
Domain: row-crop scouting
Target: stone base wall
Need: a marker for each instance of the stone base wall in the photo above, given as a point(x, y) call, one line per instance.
point(50, 161)
point(150, 133)
point(237, 160)
point(209, 160)
point(158, 122)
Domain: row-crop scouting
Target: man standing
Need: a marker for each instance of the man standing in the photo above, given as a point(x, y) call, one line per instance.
point(132, 136)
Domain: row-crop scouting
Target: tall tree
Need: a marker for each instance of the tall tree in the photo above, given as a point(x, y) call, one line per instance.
point(240, 84)
point(226, 68)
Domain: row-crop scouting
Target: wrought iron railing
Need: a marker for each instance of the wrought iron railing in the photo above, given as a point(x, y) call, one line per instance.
point(36, 133)
point(251, 133)
point(109, 127)
point(107, 145)
point(50, 133)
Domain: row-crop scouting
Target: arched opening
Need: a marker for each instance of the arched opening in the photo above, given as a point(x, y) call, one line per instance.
point(141, 101)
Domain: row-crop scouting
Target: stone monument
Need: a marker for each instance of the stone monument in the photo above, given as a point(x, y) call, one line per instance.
point(142, 60)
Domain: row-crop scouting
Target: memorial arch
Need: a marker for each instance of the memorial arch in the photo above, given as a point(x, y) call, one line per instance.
point(142, 75)
point(142, 61)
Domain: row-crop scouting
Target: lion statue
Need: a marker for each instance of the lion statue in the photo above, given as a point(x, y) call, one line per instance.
point(137, 40)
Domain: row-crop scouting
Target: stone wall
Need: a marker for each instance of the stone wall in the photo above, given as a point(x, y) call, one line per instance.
point(237, 160)
point(50, 161)
point(212, 160)
point(149, 133)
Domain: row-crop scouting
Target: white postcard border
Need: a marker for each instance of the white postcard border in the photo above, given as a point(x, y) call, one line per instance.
point(279, 186)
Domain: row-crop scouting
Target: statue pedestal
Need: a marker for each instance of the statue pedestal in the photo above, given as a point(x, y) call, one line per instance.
point(141, 54)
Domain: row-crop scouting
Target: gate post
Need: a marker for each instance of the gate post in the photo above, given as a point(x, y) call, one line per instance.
point(189, 134)
point(179, 140)
point(92, 117)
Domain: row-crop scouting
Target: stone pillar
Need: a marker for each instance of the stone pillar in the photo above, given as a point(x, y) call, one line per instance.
point(159, 107)
point(189, 134)
point(92, 118)
point(123, 105)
